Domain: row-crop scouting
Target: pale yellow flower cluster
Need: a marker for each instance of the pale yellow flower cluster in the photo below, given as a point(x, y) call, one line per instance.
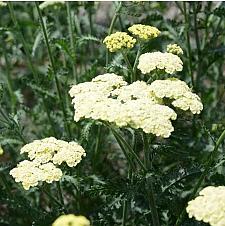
point(44, 155)
point(109, 98)
point(118, 41)
point(179, 92)
point(174, 49)
point(71, 220)
point(46, 4)
point(144, 31)
point(2, 4)
point(30, 173)
point(169, 62)
point(209, 206)
point(138, 105)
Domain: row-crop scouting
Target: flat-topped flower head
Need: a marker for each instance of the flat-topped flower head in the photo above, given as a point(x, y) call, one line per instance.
point(174, 49)
point(2, 4)
point(144, 31)
point(109, 98)
point(47, 4)
point(119, 41)
point(51, 149)
point(179, 92)
point(45, 156)
point(168, 62)
point(209, 206)
point(71, 220)
point(30, 173)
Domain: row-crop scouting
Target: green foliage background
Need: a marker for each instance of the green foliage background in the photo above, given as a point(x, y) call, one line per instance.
point(31, 109)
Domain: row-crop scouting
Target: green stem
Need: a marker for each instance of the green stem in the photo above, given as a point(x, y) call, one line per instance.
point(123, 148)
point(29, 60)
point(149, 184)
point(197, 45)
point(132, 79)
point(126, 202)
point(111, 28)
point(52, 198)
point(72, 43)
point(203, 175)
point(187, 29)
point(136, 63)
point(60, 193)
point(9, 80)
point(54, 70)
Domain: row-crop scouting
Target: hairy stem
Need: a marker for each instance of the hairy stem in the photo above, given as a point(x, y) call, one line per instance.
point(72, 44)
point(187, 34)
point(111, 28)
point(132, 78)
point(54, 70)
point(149, 184)
point(208, 166)
point(9, 80)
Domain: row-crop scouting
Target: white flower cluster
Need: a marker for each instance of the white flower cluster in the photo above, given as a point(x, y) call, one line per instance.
point(30, 173)
point(138, 105)
point(44, 155)
point(71, 220)
point(157, 60)
point(209, 207)
point(46, 4)
point(179, 92)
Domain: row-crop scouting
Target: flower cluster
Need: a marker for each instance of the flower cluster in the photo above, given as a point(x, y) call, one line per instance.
point(209, 206)
point(138, 105)
point(174, 49)
point(2, 4)
point(144, 31)
point(118, 41)
point(44, 155)
point(71, 220)
point(179, 92)
point(158, 60)
point(30, 173)
point(46, 4)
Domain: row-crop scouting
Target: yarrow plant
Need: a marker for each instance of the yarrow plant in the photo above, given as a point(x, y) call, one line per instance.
point(168, 62)
point(174, 49)
point(46, 154)
point(134, 146)
point(71, 220)
point(138, 105)
point(209, 206)
point(144, 32)
point(119, 41)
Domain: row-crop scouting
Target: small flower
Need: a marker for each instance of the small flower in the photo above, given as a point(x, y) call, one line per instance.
point(118, 41)
point(209, 206)
point(47, 4)
point(144, 31)
point(174, 49)
point(71, 220)
point(2, 4)
point(164, 61)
